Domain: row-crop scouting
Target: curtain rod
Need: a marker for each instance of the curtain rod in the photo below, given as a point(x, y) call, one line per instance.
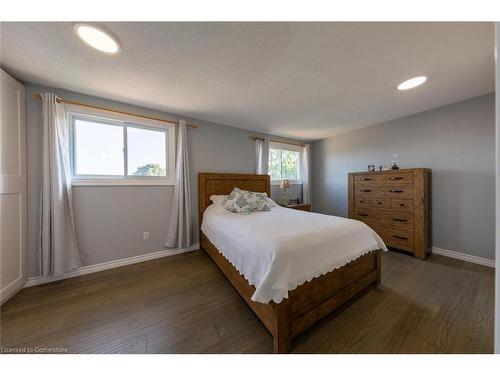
point(38, 96)
point(277, 141)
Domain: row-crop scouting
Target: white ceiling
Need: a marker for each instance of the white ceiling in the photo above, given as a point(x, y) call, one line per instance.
point(301, 80)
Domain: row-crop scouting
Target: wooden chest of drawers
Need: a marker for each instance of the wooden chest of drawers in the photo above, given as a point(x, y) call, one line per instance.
point(397, 205)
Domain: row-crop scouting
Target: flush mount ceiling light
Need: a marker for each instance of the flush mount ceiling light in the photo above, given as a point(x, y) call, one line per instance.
point(411, 83)
point(97, 38)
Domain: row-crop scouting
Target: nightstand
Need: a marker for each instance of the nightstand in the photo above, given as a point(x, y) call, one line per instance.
point(300, 206)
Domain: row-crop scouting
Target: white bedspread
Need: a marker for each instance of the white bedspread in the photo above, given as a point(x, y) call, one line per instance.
point(280, 249)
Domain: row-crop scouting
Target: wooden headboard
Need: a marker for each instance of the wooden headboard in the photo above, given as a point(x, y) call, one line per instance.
point(223, 183)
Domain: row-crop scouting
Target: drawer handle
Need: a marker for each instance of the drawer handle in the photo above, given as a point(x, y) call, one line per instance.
point(400, 237)
point(402, 204)
point(396, 191)
point(365, 179)
point(396, 219)
point(395, 178)
point(379, 202)
point(365, 190)
point(361, 201)
point(361, 214)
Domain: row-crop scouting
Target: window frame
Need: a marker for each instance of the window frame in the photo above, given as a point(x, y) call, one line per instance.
point(287, 147)
point(109, 118)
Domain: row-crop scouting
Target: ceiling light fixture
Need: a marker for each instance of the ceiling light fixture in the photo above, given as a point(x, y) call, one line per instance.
point(97, 38)
point(411, 83)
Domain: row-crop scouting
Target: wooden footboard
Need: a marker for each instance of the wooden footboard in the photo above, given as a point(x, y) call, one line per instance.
point(309, 302)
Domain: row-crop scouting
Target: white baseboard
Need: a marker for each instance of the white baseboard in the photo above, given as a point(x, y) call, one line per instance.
point(38, 280)
point(465, 257)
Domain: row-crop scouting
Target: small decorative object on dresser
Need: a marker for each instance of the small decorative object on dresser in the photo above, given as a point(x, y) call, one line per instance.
point(397, 205)
point(371, 168)
point(298, 206)
point(395, 162)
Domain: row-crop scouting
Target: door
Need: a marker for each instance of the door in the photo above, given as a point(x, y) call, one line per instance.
point(13, 250)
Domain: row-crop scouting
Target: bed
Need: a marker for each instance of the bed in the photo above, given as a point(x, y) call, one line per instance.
point(288, 310)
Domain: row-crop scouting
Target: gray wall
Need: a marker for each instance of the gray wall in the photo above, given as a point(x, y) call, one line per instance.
point(457, 141)
point(110, 220)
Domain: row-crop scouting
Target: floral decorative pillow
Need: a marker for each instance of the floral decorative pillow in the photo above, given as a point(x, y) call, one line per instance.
point(237, 203)
point(271, 203)
point(245, 202)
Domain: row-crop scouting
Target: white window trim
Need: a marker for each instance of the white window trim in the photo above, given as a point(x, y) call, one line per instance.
point(121, 119)
point(286, 146)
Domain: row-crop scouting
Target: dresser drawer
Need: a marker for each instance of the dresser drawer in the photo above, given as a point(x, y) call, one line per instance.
point(390, 219)
point(366, 179)
point(381, 202)
point(396, 178)
point(398, 238)
point(362, 202)
point(367, 215)
point(400, 191)
point(402, 205)
point(398, 219)
point(366, 191)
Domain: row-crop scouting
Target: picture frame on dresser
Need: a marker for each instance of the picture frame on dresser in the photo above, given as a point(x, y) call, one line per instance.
point(397, 205)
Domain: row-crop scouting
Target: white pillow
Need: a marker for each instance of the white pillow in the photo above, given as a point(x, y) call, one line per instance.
point(218, 199)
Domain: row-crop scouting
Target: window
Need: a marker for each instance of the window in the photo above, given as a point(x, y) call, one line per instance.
point(146, 152)
point(284, 162)
point(98, 148)
point(120, 150)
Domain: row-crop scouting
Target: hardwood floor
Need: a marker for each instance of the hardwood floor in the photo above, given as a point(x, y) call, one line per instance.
point(183, 304)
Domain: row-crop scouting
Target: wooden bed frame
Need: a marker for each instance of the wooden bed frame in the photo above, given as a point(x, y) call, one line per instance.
point(307, 303)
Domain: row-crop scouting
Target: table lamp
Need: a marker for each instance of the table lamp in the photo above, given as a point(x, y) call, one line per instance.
point(285, 184)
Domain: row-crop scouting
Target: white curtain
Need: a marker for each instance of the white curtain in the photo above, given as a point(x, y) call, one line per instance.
point(261, 156)
point(305, 173)
point(59, 251)
point(180, 228)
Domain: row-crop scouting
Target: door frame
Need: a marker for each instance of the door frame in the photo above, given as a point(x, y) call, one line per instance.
point(9, 184)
